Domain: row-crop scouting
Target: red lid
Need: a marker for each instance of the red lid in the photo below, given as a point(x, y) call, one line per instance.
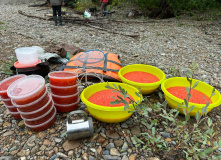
point(18, 65)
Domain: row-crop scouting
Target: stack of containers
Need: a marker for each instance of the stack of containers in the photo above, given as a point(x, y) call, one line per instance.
point(34, 103)
point(64, 90)
point(5, 98)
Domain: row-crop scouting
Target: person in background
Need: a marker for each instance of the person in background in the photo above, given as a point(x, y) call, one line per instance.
point(56, 7)
point(104, 4)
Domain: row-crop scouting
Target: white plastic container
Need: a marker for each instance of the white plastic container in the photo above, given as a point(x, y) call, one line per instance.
point(27, 55)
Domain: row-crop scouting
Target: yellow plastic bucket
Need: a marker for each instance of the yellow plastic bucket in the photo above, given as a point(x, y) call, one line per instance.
point(108, 114)
point(203, 87)
point(146, 88)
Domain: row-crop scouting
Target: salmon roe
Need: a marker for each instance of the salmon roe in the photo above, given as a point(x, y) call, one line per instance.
point(196, 96)
point(104, 97)
point(141, 77)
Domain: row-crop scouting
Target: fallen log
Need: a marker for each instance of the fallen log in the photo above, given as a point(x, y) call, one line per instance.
point(25, 14)
point(83, 21)
point(111, 31)
point(38, 5)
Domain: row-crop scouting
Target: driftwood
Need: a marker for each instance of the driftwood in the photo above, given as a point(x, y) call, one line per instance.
point(82, 21)
point(111, 31)
point(38, 5)
point(25, 14)
point(124, 21)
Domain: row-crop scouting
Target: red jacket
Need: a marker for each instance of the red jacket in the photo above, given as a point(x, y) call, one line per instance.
point(104, 1)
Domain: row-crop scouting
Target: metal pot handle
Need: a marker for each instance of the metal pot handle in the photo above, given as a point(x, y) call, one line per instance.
point(77, 112)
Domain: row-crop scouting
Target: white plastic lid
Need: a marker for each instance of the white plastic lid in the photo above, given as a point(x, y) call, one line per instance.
point(4, 84)
point(26, 86)
point(62, 75)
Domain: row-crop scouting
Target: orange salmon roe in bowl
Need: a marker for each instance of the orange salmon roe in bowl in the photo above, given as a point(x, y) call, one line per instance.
point(175, 92)
point(144, 77)
point(94, 98)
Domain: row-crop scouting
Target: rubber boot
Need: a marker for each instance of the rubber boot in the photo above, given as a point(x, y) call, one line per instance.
point(60, 21)
point(55, 20)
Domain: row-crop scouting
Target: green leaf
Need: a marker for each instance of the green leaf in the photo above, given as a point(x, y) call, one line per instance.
point(187, 90)
point(213, 94)
point(195, 84)
point(122, 90)
point(160, 95)
point(197, 116)
point(190, 73)
point(208, 151)
point(187, 117)
point(138, 95)
point(153, 130)
point(186, 103)
point(202, 154)
point(63, 134)
point(109, 87)
point(219, 143)
point(114, 102)
point(213, 91)
point(115, 86)
point(209, 122)
point(190, 109)
point(194, 65)
point(184, 111)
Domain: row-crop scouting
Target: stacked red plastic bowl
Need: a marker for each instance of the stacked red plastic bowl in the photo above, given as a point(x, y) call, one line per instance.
point(64, 90)
point(34, 103)
point(4, 84)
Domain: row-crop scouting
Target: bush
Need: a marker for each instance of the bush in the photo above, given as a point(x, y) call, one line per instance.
point(177, 6)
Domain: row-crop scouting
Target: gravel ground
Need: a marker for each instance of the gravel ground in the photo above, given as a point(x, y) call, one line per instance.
point(162, 43)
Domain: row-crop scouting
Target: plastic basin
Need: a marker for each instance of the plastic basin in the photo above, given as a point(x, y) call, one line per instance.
point(108, 114)
point(146, 88)
point(63, 78)
point(67, 107)
point(203, 87)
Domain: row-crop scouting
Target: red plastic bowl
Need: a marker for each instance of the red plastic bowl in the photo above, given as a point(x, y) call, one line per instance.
point(63, 78)
point(11, 108)
point(43, 126)
point(7, 102)
point(27, 89)
point(64, 90)
point(41, 119)
point(39, 112)
point(67, 107)
point(65, 99)
point(35, 105)
point(4, 84)
point(16, 115)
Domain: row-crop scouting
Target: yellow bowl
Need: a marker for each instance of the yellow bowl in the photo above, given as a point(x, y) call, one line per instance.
point(108, 114)
point(146, 88)
point(205, 88)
